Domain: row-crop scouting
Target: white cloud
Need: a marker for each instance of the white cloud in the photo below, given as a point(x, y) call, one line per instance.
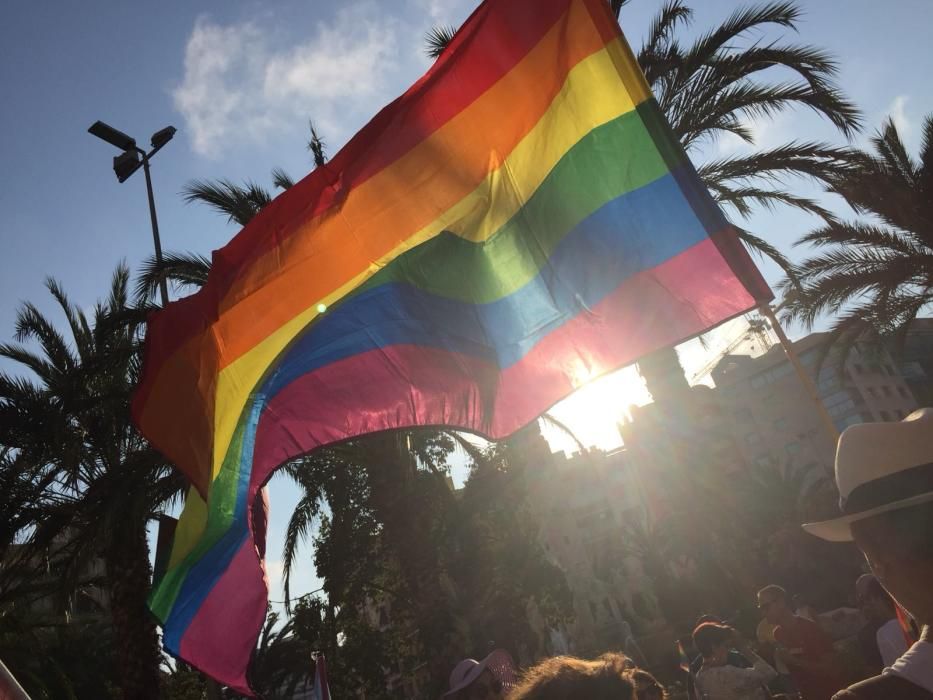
point(213, 96)
point(897, 112)
point(239, 84)
point(444, 11)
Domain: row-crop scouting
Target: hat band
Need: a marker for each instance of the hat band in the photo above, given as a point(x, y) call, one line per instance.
point(906, 483)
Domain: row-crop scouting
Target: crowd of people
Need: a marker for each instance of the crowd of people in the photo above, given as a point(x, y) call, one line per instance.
point(884, 473)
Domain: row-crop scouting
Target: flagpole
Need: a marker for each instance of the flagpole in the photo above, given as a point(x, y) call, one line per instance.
point(805, 378)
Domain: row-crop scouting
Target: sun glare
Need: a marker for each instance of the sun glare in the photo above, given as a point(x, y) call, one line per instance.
point(594, 410)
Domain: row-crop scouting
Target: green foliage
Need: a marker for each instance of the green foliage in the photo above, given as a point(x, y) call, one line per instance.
point(183, 683)
point(54, 660)
point(84, 483)
point(874, 274)
point(414, 572)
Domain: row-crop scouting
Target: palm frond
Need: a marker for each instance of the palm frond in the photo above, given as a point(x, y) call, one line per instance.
point(762, 247)
point(281, 179)
point(239, 203)
point(549, 420)
point(893, 153)
point(437, 39)
point(818, 161)
point(298, 528)
point(316, 146)
point(661, 30)
point(182, 270)
point(742, 198)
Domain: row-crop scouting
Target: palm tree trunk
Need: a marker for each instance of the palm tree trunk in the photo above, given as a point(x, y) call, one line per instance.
point(406, 525)
point(137, 641)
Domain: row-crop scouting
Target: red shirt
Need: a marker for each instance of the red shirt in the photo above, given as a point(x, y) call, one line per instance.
point(805, 639)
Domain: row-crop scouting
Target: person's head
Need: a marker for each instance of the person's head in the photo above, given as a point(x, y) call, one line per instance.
point(772, 602)
point(646, 685)
point(899, 548)
point(708, 618)
point(713, 641)
point(884, 472)
point(566, 678)
point(472, 680)
point(873, 600)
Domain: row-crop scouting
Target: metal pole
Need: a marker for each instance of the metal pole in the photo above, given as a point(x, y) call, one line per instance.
point(163, 286)
point(805, 378)
point(10, 689)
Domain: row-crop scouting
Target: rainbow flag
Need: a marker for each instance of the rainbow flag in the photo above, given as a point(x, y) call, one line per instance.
point(517, 223)
point(320, 690)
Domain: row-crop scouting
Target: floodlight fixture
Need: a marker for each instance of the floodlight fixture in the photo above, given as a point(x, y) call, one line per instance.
point(127, 163)
point(112, 136)
point(163, 136)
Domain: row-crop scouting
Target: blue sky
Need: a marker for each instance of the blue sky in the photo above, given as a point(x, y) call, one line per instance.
point(240, 79)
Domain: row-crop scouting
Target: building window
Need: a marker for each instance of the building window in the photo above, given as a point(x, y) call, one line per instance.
point(780, 424)
point(885, 415)
point(871, 392)
point(886, 390)
point(792, 448)
point(752, 438)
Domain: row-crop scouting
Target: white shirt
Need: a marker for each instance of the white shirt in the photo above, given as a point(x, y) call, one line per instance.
point(891, 641)
point(916, 665)
point(733, 683)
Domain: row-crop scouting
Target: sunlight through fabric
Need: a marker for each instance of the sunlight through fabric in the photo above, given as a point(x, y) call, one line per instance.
point(520, 222)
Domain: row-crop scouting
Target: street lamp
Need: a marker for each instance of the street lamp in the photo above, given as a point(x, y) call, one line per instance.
point(128, 163)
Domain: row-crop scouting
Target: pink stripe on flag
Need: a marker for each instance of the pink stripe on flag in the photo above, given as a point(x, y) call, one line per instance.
point(215, 641)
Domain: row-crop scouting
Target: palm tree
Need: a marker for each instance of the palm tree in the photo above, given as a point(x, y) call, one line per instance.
point(714, 87)
point(93, 482)
point(876, 273)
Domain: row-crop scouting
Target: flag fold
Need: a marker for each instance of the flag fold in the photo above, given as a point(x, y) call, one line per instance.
point(519, 222)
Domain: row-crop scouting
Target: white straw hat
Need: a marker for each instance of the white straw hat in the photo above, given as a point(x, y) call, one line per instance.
point(499, 663)
point(880, 467)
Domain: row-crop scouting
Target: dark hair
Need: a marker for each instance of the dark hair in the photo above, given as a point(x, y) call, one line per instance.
point(908, 529)
point(709, 635)
point(566, 677)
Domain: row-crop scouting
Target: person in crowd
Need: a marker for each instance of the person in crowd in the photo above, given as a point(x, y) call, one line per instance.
point(717, 679)
point(733, 658)
point(764, 634)
point(646, 685)
point(880, 612)
point(610, 677)
point(884, 472)
point(477, 680)
point(802, 646)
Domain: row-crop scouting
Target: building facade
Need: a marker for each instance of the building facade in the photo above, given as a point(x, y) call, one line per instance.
point(915, 360)
point(774, 419)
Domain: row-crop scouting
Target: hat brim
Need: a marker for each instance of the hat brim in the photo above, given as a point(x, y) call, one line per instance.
point(474, 673)
point(839, 529)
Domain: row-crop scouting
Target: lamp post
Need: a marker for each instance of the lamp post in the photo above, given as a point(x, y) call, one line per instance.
point(128, 163)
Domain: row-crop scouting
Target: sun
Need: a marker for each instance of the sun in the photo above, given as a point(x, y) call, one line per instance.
point(594, 410)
